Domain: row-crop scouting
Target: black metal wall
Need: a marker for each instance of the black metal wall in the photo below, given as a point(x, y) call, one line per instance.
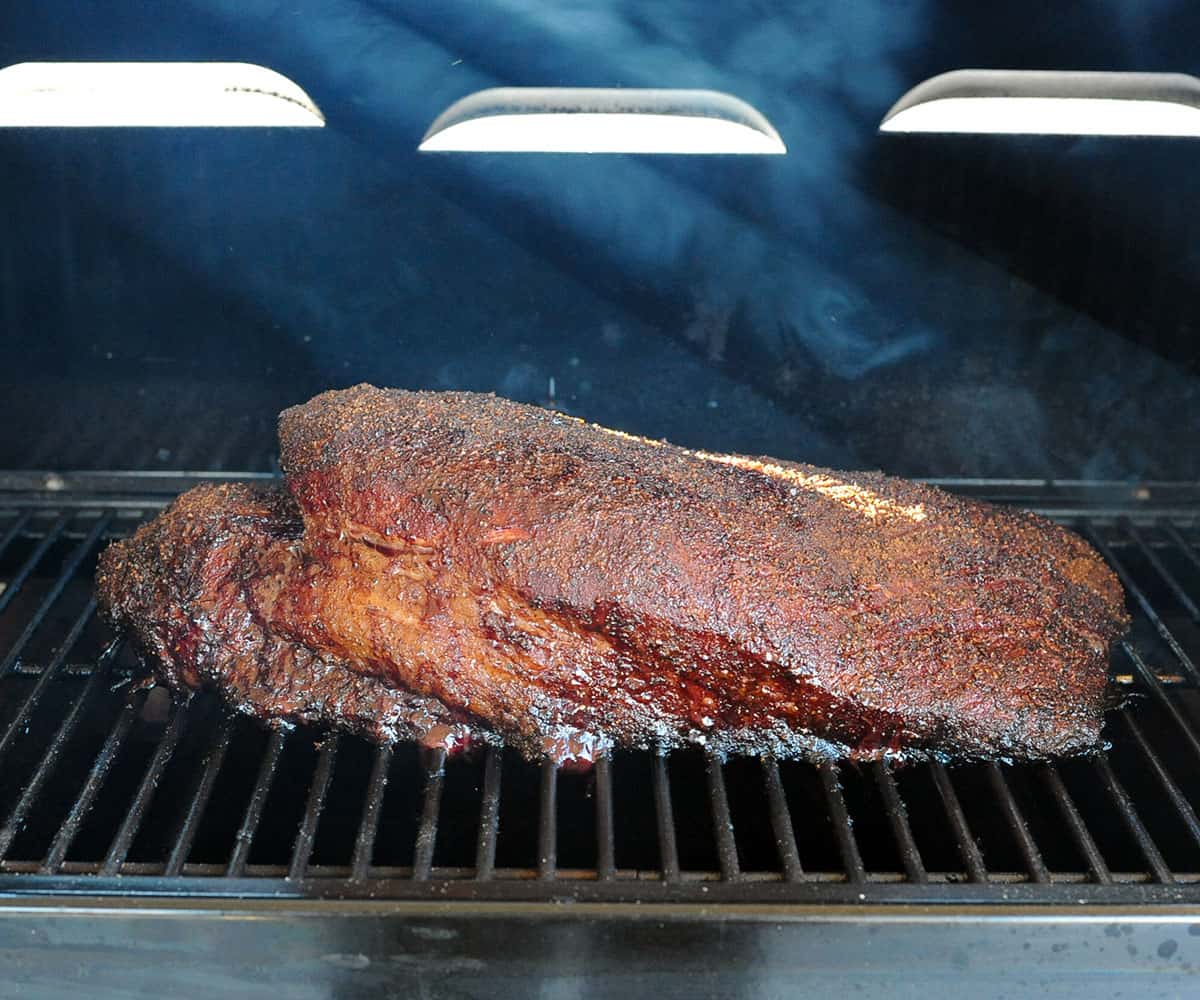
point(950, 306)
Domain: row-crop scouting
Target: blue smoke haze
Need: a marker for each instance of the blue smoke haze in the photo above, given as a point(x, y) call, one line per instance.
point(834, 305)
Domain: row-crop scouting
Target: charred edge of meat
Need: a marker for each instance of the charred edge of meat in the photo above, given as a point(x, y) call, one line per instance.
point(985, 630)
point(179, 586)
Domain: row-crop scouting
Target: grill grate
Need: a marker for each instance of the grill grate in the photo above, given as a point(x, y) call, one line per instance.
point(112, 788)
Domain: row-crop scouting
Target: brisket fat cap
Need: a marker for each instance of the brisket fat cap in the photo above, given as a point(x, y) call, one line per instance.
point(585, 578)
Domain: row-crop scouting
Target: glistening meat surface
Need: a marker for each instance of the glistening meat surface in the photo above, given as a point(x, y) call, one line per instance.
point(571, 587)
point(193, 586)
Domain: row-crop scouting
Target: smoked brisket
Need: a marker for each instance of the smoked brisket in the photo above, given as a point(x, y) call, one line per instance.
point(439, 563)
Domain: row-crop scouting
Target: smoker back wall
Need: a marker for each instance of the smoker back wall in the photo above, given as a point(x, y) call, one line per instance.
point(1041, 340)
point(1093, 223)
point(959, 306)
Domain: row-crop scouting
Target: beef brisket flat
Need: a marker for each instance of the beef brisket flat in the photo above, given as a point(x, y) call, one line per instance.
point(570, 587)
point(194, 586)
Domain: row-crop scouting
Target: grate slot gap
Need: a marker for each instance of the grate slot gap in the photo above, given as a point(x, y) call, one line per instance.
point(1032, 856)
point(1142, 600)
point(16, 818)
point(31, 561)
point(1133, 823)
point(781, 821)
point(199, 800)
point(1079, 831)
point(897, 813)
point(119, 848)
point(254, 808)
point(1186, 547)
point(664, 814)
point(17, 725)
point(843, 829)
point(64, 577)
point(306, 835)
point(368, 826)
point(435, 777)
point(1160, 567)
point(489, 816)
point(91, 787)
point(1184, 808)
point(969, 850)
point(606, 865)
point(547, 863)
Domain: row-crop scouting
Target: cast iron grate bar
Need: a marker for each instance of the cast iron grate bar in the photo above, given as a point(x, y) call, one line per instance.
point(781, 821)
point(95, 781)
point(254, 808)
point(489, 816)
point(368, 827)
point(14, 529)
point(606, 865)
point(64, 577)
point(1186, 547)
point(20, 812)
point(718, 800)
point(1184, 808)
point(57, 531)
point(1079, 831)
point(47, 675)
point(664, 814)
point(1160, 567)
point(1154, 572)
point(843, 832)
point(306, 835)
point(1032, 856)
point(1150, 679)
point(967, 848)
point(1133, 822)
point(118, 851)
point(31, 561)
point(910, 855)
point(435, 773)
point(199, 800)
point(547, 850)
point(1136, 592)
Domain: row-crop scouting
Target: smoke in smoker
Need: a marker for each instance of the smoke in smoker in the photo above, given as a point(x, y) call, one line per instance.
point(764, 305)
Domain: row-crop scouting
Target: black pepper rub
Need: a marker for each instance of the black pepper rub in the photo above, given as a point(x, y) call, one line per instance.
point(570, 587)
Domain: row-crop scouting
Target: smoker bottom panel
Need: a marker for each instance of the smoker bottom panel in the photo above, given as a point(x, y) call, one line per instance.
point(102, 947)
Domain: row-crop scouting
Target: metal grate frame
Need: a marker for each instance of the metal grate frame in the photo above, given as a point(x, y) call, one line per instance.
point(110, 788)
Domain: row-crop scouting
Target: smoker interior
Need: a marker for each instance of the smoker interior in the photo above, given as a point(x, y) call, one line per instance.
point(110, 787)
point(1016, 310)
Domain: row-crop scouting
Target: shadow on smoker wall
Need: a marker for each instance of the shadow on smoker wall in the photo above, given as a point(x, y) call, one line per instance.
point(781, 307)
point(119, 353)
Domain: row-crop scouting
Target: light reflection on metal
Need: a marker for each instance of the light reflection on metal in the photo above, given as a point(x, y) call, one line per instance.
point(591, 120)
point(1036, 102)
point(151, 94)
